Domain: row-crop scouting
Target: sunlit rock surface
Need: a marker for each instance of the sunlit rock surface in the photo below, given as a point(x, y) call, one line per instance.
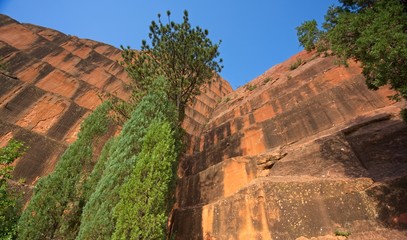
point(53, 81)
point(297, 153)
point(300, 152)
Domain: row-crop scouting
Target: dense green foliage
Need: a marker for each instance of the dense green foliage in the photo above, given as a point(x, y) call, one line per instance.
point(98, 221)
point(373, 32)
point(144, 199)
point(376, 37)
point(8, 154)
point(166, 76)
point(129, 192)
point(98, 169)
point(55, 208)
point(9, 199)
point(183, 55)
point(308, 34)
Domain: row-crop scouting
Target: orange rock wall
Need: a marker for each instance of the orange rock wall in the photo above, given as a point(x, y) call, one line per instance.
point(277, 159)
point(54, 81)
point(295, 153)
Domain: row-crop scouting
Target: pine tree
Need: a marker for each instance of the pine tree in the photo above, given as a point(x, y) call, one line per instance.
point(183, 55)
point(308, 34)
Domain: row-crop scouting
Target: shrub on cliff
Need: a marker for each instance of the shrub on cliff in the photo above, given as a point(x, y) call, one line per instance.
point(55, 208)
point(373, 32)
point(3, 65)
point(9, 199)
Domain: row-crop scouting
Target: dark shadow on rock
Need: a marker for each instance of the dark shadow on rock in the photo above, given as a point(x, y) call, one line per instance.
point(66, 122)
point(227, 146)
point(187, 224)
point(381, 147)
point(392, 202)
point(21, 102)
point(201, 182)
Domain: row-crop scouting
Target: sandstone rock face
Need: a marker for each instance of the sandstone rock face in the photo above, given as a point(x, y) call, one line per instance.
point(51, 84)
point(297, 153)
point(53, 81)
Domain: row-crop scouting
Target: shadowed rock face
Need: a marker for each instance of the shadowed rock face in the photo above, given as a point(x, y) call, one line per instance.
point(53, 81)
point(295, 153)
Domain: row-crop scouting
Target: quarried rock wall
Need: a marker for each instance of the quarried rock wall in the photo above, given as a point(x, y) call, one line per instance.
point(298, 152)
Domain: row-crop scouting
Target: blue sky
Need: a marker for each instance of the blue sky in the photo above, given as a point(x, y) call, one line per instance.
point(255, 34)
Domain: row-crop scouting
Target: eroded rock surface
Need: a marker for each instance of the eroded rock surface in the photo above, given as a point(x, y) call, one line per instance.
point(298, 154)
point(53, 81)
point(294, 154)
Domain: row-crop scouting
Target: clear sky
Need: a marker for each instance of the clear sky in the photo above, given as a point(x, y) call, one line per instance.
point(255, 34)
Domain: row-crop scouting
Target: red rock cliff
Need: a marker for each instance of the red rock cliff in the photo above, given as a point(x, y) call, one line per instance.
point(52, 83)
point(293, 154)
point(297, 153)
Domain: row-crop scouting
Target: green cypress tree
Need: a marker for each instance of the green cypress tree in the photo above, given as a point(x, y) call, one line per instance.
point(56, 205)
point(144, 199)
point(98, 170)
point(97, 218)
